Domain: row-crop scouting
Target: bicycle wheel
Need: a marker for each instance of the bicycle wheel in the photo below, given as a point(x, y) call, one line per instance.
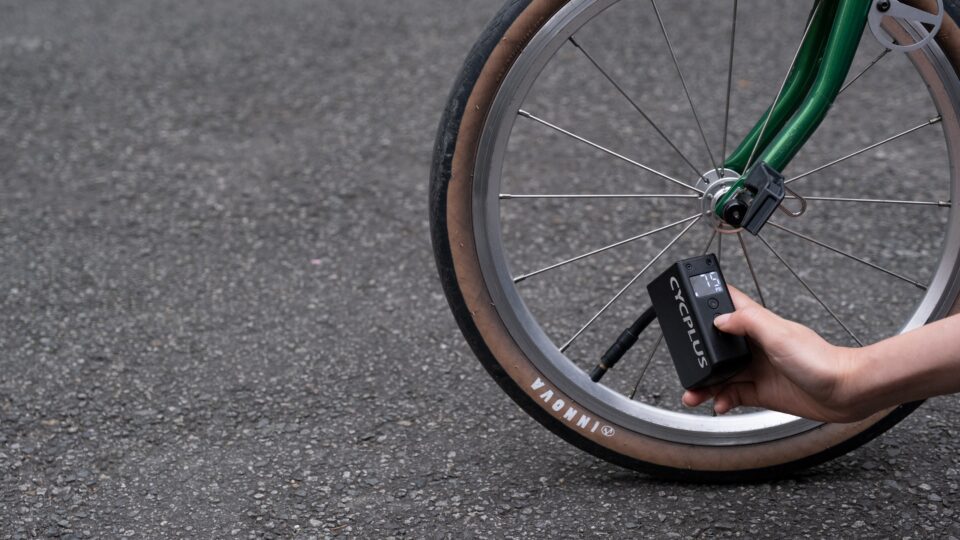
point(568, 172)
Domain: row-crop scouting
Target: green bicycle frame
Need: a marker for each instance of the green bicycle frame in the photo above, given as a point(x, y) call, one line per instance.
point(819, 70)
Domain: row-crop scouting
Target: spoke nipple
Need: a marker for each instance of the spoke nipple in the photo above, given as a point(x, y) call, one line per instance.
point(524, 113)
point(518, 279)
point(935, 120)
point(574, 42)
point(506, 196)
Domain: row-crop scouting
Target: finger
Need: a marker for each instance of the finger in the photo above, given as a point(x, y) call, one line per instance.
point(751, 320)
point(735, 395)
point(694, 397)
point(740, 299)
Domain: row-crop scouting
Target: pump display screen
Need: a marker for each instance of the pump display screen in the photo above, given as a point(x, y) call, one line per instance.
point(706, 284)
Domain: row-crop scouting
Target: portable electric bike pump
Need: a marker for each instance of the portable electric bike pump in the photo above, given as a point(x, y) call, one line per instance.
point(686, 298)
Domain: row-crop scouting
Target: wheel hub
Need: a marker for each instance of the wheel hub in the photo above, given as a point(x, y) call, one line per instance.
point(714, 184)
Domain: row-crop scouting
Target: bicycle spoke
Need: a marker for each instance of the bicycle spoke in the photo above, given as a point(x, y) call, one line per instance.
point(683, 83)
point(848, 255)
point(719, 245)
point(710, 241)
point(753, 274)
point(726, 110)
point(508, 196)
point(558, 129)
point(635, 106)
point(810, 290)
point(713, 234)
point(930, 122)
point(793, 62)
point(522, 277)
point(629, 284)
point(942, 204)
point(870, 65)
point(646, 364)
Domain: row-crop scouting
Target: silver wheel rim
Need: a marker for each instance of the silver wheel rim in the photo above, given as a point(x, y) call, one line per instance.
point(570, 379)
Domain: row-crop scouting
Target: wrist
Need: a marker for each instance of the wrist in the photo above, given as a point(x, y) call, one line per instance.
point(872, 385)
point(855, 396)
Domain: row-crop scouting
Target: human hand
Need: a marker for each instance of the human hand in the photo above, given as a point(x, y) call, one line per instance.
point(793, 370)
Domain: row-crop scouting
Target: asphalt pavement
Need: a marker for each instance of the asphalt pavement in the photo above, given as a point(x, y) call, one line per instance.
point(220, 316)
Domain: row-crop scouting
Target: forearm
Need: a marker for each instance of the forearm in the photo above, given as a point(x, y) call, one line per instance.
point(916, 365)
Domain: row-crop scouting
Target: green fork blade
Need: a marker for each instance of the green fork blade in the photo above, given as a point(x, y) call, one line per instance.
point(821, 66)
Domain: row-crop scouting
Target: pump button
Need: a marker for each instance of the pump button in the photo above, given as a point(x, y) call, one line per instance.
point(713, 303)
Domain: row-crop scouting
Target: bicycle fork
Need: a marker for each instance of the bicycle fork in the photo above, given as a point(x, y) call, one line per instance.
point(815, 78)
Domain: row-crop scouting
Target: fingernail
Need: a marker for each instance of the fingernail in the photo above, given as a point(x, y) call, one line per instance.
point(721, 319)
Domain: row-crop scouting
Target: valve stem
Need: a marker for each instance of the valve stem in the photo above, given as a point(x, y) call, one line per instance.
point(627, 339)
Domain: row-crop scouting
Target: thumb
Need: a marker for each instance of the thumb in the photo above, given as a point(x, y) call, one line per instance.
point(753, 321)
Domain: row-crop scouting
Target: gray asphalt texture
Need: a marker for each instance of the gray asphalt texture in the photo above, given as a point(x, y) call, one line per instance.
point(220, 318)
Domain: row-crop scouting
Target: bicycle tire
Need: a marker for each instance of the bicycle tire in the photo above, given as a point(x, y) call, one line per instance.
point(455, 252)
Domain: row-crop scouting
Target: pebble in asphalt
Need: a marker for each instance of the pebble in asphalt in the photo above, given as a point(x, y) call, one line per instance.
point(220, 316)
